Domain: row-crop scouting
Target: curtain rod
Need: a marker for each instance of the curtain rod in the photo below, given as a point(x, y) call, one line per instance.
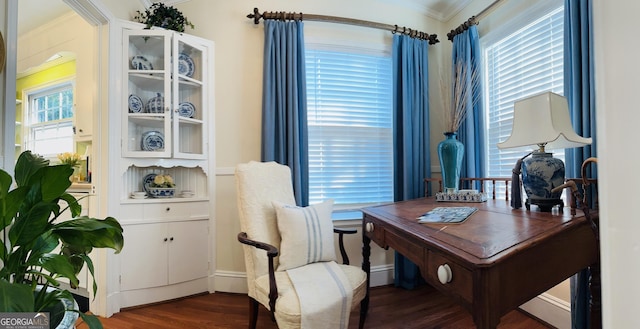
point(256, 16)
point(473, 20)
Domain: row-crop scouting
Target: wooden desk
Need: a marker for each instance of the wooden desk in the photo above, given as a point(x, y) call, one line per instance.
point(499, 258)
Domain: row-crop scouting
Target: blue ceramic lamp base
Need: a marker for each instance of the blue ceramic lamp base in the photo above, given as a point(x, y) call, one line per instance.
point(541, 173)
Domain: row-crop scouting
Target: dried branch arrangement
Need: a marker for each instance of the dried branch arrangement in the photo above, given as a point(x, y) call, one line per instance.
point(460, 99)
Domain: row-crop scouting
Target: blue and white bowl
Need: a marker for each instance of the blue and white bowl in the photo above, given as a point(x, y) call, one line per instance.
point(161, 192)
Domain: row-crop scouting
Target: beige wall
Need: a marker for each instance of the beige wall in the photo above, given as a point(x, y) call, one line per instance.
point(238, 78)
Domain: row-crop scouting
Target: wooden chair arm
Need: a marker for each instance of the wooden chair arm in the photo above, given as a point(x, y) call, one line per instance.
point(341, 232)
point(272, 252)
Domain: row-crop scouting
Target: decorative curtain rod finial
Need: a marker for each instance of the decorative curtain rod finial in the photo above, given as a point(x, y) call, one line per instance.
point(256, 16)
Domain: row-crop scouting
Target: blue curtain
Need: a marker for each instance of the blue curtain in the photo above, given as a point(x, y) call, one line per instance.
point(284, 103)
point(466, 48)
point(412, 157)
point(579, 90)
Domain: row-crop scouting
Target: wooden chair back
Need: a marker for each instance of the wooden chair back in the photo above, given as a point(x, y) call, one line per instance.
point(471, 183)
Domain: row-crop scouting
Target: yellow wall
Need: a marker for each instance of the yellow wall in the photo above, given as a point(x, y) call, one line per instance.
point(61, 71)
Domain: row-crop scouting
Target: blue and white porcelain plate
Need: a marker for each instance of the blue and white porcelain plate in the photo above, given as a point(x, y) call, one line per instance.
point(141, 63)
point(152, 141)
point(135, 104)
point(147, 180)
point(186, 66)
point(186, 109)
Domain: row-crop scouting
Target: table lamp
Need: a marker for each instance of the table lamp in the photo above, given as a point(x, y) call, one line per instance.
point(542, 120)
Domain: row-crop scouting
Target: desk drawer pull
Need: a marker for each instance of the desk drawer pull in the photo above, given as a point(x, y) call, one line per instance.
point(444, 274)
point(369, 227)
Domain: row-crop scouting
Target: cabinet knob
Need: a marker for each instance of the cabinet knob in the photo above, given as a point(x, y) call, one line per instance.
point(171, 239)
point(444, 273)
point(165, 239)
point(168, 209)
point(369, 227)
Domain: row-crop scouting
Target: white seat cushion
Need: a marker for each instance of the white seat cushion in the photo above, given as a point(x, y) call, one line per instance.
point(287, 304)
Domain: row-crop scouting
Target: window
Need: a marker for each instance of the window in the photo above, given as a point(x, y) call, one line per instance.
point(527, 62)
point(349, 105)
point(50, 120)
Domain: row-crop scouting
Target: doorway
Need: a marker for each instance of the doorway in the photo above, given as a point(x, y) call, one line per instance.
point(91, 54)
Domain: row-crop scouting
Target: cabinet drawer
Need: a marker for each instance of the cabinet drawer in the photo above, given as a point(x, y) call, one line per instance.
point(410, 250)
point(164, 211)
point(461, 283)
point(129, 212)
point(167, 210)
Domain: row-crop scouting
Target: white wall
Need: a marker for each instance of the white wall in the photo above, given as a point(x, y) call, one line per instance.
point(618, 118)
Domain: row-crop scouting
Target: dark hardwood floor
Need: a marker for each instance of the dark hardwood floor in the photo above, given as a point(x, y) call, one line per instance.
point(390, 307)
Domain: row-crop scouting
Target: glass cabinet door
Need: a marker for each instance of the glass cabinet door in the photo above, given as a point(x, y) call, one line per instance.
point(189, 99)
point(147, 102)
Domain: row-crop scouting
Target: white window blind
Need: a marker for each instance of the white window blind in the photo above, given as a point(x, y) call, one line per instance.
point(527, 62)
point(350, 127)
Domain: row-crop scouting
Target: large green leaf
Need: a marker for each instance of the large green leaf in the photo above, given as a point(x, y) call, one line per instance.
point(7, 209)
point(89, 263)
point(27, 165)
point(60, 265)
point(15, 297)
point(91, 320)
point(5, 183)
point(45, 244)
point(73, 204)
point(31, 224)
point(55, 181)
point(85, 231)
point(10, 204)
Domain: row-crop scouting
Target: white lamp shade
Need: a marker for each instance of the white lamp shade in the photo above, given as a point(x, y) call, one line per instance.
point(540, 119)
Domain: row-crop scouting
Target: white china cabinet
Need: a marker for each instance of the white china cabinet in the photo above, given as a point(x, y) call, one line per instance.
point(166, 114)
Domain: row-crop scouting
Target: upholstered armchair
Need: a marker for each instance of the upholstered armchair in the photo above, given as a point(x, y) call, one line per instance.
point(276, 251)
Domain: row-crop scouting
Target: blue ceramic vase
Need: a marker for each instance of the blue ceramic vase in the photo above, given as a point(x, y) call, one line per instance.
point(450, 153)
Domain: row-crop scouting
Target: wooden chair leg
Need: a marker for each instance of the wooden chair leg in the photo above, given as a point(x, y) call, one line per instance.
point(253, 313)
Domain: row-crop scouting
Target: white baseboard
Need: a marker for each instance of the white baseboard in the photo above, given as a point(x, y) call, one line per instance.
point(228, 281)
point(236, 282)
point(550, 309)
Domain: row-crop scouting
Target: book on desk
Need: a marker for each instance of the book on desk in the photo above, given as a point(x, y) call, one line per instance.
point(449, 215)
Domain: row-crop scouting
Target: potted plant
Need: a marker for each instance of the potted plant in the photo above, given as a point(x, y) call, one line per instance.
point(30, 233)
point(163, 16)
point(162, 186)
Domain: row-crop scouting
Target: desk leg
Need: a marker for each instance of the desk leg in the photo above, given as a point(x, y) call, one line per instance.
point(366, 267)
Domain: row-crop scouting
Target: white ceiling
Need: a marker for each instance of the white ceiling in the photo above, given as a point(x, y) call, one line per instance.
point(32, 13)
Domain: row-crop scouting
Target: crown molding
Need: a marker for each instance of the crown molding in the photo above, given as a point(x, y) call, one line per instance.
point(440, 10)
